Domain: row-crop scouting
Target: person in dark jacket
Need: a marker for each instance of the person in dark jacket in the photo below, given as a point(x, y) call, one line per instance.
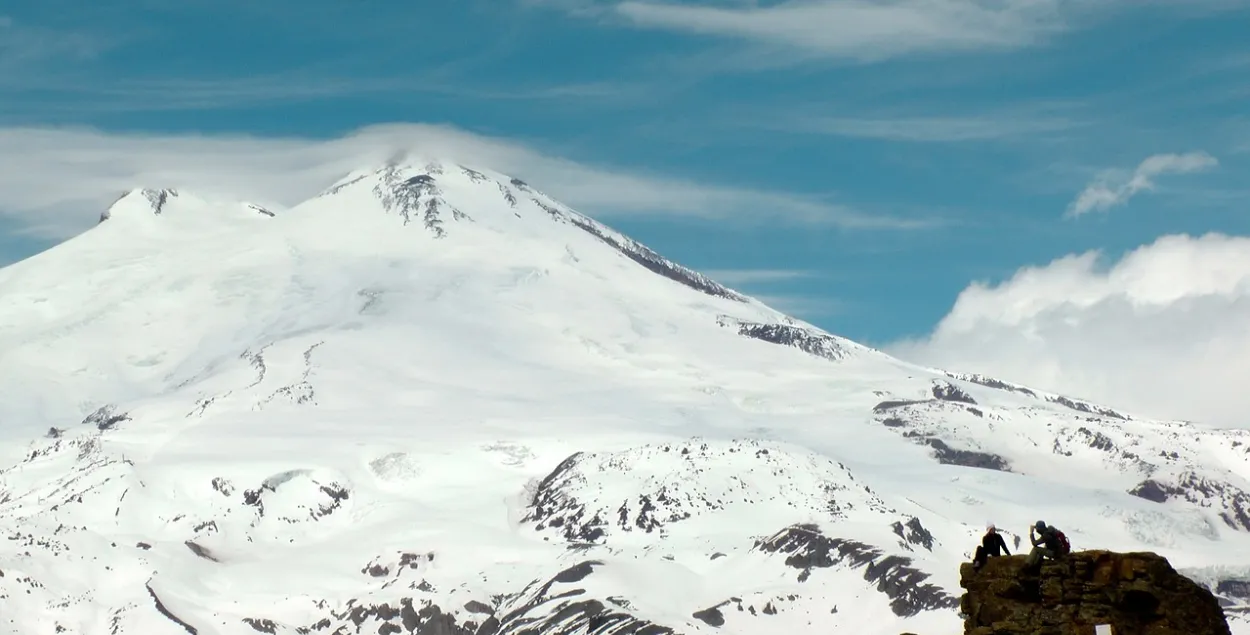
point(1045, 545)
point(992, 544)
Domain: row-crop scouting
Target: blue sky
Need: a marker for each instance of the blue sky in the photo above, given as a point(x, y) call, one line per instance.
point(967, 132)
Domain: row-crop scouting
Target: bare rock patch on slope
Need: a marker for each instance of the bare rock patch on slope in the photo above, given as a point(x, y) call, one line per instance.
point(416, 197)
point(106, 417)
point(808, 549)
point(296, 496)
point(592, 496)
point(632, 249)
point(1229, 501)
point(551, 605)
point(976, 435)
point(1067, 402)
point(805, 339)
point(920, 420)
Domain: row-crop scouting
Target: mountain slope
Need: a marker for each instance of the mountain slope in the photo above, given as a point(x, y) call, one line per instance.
point(434, 400)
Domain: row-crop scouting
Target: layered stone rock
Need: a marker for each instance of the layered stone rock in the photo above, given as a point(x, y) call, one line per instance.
point(1135, 593)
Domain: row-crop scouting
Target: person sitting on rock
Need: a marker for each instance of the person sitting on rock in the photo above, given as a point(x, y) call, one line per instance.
point(992, 544)
point(1048, 542)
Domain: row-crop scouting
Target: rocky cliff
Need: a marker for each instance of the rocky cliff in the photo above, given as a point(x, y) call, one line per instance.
point(1135, 593)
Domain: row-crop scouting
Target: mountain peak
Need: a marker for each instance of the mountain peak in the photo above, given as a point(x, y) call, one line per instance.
point(446, 197)
point(147, 202)
point(144, 200)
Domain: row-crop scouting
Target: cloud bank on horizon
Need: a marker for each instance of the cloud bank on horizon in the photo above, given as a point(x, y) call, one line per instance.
point(1165, 330)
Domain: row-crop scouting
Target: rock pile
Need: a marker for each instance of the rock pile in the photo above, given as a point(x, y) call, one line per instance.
point(1134, 593)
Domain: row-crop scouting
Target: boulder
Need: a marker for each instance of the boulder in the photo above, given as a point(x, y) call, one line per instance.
point(1135, 593)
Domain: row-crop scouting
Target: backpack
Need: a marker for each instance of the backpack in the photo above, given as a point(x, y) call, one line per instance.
point(1065, 547)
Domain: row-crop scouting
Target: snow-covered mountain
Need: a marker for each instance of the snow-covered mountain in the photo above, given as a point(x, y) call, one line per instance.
point(434, 400)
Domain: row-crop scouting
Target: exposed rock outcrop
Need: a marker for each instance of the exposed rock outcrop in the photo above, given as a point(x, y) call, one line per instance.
point(1135, 593)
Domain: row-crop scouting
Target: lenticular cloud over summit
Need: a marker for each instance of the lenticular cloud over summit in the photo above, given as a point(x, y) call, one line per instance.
point(56, 180)
point(430, 398)
point(1164, 331)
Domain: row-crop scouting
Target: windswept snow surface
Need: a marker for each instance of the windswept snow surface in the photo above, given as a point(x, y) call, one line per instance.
point(434, 400)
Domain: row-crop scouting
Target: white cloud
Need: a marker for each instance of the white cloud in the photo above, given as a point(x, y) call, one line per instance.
point(755, 276)
point(928, 129)
point(863, 29)
point(56, 181)
point(1114, 188)
point(1165, 331)
point(788, 31)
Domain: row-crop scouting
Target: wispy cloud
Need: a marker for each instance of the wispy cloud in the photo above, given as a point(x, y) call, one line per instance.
point(50, 68)
point(1114, 188)
point(56, 181)
point(22, 45)
point(928, 129)
point(863, 30)
point(754, 276)
point(784, 32)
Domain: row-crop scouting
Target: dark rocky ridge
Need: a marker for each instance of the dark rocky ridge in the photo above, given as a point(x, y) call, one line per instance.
point(1136, 593)
point(806, 548)
point(1233, 594)
point(946, 391)
point(914, 533)
point(891, 404)
point(655, 262)
point(1074, 404)
point(1144, 450)
point(415, 197)
point(260, 210)
point(106, 417)
point(1233, 502)
point(554, 606)
point(942, 423)
point(563, 504)
point(158, 198)
point(160, 607)
point(887, 413)
point(551, 507)
point(554, 508)
point(558, 605)
point(947, 455)
point(420, 196)
point(810, 342)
